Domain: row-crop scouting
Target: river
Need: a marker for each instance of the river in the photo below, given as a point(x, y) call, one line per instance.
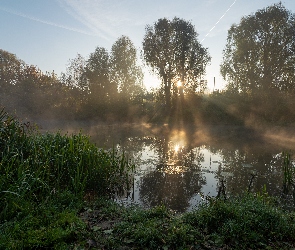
point(179, 167)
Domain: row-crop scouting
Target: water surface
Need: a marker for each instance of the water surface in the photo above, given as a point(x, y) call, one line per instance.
point(178, 167)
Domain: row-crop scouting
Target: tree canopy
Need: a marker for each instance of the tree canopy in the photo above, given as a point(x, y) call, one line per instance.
point(75, 73)
point(27, 87)
point(98, 75)
point(171, 48)
point(260, 52)
point(125, 72)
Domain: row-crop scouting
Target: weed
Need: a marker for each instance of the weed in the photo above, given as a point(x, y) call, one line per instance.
point(246, 221)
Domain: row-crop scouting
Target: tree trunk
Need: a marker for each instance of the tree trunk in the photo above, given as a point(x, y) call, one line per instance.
point(168, 96)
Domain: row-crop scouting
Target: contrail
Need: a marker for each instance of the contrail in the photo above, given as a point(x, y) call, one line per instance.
point(47, 22)
point(84, 13)
point(219, 20)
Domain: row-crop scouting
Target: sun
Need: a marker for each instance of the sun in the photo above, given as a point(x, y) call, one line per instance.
point(150, 80)
point(176, 147)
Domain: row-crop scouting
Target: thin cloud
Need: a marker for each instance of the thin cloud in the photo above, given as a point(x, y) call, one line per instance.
point(47, 22)
point(219, 20)
point(97, 15)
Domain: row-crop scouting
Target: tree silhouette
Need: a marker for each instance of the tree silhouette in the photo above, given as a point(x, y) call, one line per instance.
point(125, 72)
point(98, 74)
point(260, 51)
point(171, 48)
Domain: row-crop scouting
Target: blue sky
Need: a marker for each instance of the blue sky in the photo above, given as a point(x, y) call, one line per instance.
point(47, 33)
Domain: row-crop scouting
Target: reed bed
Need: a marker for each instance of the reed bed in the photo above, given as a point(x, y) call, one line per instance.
point(35, 167)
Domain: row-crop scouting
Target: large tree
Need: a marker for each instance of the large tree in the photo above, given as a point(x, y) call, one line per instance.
point(125, 72)
point(172, 49)
point(260, 51)
point(98, 75)
point(75, 75)
point(11, 69)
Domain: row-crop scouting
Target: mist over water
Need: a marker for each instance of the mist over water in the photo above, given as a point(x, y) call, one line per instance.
point(179, 167)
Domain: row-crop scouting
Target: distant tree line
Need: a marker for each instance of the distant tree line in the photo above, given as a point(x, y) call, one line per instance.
point(258, 66)
point(106, 82)
point(104, 85)
point(26, 90)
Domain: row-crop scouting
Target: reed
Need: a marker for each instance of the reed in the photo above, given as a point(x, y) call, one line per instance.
point(34, 167)
point(288, 176)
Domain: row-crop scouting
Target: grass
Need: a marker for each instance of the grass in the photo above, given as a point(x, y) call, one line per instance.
point(46, 225)
point(34, 166)
point(43, 179)
point(55, 190)
point(246, 222)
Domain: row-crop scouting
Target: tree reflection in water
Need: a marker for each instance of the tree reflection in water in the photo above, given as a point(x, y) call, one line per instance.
point(174, 181)
point(173, 166)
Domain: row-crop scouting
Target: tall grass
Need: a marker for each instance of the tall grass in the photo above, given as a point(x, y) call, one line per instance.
point(35, 167)
point(289, 177)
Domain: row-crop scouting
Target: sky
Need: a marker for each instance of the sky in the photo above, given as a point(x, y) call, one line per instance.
point(48, 33)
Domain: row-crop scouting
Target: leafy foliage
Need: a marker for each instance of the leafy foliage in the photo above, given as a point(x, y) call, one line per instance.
point(125, 71)
point(260, 51)
point(171, 48)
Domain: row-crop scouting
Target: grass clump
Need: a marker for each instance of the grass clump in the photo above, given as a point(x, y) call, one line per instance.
point(34, 167)
point(47, 224)
point(42, 228)
point(43, 180)
point(247, 222)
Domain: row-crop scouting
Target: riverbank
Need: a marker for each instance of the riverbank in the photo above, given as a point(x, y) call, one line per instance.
point(247, 222)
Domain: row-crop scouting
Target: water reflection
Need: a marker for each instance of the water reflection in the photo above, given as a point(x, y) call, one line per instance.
point(174, 187)
point(175, 166)
point(175, 179)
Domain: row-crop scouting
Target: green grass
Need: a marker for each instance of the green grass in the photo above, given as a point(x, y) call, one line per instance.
point(250, 221)
point(49, 224)
point(43, 179)
point(246, 222)
point(34, 167)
